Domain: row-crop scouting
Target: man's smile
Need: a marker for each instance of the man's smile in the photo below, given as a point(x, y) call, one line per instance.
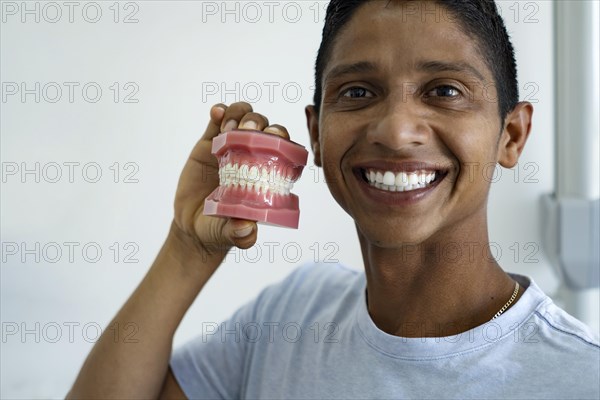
point(398, 183)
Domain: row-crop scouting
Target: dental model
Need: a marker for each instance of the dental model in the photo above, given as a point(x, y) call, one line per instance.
point(257, 171)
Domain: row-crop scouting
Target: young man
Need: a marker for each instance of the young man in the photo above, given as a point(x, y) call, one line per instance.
point(407, 109)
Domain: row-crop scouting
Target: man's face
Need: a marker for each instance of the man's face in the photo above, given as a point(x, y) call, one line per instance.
point(407, 99)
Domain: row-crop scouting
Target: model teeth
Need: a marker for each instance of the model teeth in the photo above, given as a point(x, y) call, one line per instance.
point(254, 178)
point(401, 181)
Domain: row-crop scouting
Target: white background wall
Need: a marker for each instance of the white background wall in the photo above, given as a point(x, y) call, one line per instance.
point(175, 59)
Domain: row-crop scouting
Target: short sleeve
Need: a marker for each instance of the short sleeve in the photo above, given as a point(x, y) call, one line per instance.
point(212, 365)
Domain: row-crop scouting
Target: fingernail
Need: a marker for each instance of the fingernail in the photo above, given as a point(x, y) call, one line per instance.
point(273, 130)
point(249, 125)
point(240, 233)
point(231, 124)
point(276, 131)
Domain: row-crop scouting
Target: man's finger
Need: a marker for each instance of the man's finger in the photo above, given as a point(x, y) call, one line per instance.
point(217, 112)
point(278, 130)
point(234, 114)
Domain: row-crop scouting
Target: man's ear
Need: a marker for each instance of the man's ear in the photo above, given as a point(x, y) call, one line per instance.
point(312, 122)
point(517, 126)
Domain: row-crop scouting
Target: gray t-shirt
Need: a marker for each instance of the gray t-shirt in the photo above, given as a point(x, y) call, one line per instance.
point(311, 337)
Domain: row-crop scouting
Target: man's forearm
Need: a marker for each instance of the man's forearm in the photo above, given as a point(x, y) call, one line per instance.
point(131, 359)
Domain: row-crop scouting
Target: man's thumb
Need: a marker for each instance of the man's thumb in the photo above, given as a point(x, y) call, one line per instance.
point(240, 232)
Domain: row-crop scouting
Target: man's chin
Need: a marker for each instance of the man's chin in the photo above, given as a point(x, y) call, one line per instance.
point(390, 238)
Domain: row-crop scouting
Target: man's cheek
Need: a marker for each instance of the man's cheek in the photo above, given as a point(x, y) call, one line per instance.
point(332, 172)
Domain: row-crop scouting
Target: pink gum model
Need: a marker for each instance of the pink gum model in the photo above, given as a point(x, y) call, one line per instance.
point(256, 173)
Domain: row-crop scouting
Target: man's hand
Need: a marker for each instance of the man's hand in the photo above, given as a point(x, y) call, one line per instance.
point(212, 235)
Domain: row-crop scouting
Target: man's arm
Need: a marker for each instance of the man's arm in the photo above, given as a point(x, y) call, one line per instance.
point(137, 367)
point(122, 366)
point(171, 389)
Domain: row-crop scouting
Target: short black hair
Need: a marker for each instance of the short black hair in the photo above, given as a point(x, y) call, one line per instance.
point(479, 19)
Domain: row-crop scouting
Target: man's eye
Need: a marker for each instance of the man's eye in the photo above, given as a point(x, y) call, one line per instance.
point(444, 91)
point(356, 92)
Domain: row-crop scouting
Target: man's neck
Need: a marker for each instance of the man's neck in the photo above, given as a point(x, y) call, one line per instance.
point(433, 289)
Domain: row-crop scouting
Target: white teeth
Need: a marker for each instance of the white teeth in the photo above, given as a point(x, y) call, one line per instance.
point(399, 182)
point(244, 169)
point(254, 178)
point(412, 179)
point(389, 178)
point(401, 179)
point(253, 173)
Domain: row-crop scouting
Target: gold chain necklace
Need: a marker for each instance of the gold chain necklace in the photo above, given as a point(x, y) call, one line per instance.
point(509, 302)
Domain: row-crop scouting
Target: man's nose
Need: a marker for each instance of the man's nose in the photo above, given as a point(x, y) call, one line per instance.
point(402, 125)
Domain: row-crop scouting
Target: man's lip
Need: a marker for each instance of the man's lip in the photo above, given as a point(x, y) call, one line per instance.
point(398, 198)
point(403, 166)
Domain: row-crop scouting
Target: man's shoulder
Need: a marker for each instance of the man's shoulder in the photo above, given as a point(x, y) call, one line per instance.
point(544, 322)
point(562, 326)
point(557, 351)
point(315, 276)
point(323, 274)
point(310, 286)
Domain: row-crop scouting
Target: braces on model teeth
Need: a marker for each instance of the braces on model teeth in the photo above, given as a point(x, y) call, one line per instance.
point(261, 180)
point(400, 181)
point(257, 171)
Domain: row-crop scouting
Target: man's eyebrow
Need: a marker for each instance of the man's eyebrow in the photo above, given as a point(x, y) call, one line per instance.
point(346, 69)
point(431, 66)
point(441, 66)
